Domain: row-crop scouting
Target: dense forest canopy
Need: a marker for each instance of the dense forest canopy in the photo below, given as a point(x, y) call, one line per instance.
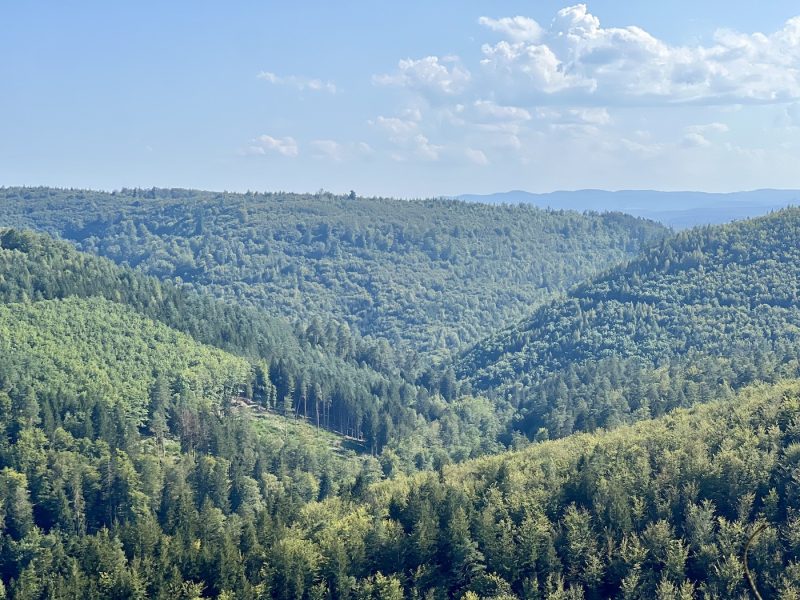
point(328, 382)
point(108, 351)
point(428, 276)
point(699, 313)
point(177, 427)
point(200, 505)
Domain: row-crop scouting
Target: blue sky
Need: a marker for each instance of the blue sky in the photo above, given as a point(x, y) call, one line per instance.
point(403, 99)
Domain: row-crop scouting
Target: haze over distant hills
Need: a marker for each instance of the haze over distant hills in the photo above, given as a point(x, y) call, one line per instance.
point(675, 209)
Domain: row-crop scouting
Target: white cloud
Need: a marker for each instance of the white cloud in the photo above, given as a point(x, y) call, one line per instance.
point(364, 149)
point(495, 112)
point(518, 29)
point(575, 116)
point(265, 144)
point(578, 58)
point(395, 126)
point(406, 138)
point(515, 69)
point(695, 140)
point(298, 82)
point(431, 74)
point(708, 128)
point(641, 148)
point(576, 88)
point(424, 149)
point(697, 136)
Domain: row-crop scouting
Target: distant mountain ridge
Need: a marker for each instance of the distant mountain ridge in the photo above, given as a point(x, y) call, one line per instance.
point(675, 209)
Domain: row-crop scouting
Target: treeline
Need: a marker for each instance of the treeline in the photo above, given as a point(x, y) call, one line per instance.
point(701, 313)
point(426, 276)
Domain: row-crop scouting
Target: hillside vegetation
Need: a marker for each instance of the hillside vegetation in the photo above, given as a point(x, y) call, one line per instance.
point(427, 276)
point(328, 388)
point(698, 314)
point(662, 509)
point(105, 350)
point(159, 440)
point(288, 372)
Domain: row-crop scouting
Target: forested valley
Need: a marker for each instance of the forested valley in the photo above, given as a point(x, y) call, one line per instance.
point(315, 397)
point(425, 276)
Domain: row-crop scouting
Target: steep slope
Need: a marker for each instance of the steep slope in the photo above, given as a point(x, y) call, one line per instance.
point(127, 468)
point(106, 350)
point(661, 509)
point(425, 275)
point(707, 310)
point(290, 374)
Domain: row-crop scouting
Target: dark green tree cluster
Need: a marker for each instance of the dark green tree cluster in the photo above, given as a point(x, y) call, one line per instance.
point(126, 468)
point(663, 509)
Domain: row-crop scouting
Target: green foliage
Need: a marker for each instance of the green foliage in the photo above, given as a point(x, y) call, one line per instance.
point(289, 373)
point(102, 349)
point(156, 442)
point(427, 276)
point(706, 311)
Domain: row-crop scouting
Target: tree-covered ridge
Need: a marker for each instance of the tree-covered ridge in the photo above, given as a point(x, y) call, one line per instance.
point(662, 509)
point(425, 275)
point(291, 375)
point(703, 311)
point(103, 349)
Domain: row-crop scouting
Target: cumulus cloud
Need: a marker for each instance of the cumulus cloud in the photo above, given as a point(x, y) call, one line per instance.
point(574, 116)
point(298, 82)
point(490, 110)
point(396, 126)
point(695, 140)
point(424, 149)
point(574, 79)
point(431, 74)
point(518, 29)
point(708, 128)
point(697, 136)
point(405, 136)
point(266, 144)
point(579, 59)
point(576, 60)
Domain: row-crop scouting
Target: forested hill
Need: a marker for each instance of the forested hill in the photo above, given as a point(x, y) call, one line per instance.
point(121, 440)
point(290, 375)
point(660, 510)
point(699, 313)
point(425, 275)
